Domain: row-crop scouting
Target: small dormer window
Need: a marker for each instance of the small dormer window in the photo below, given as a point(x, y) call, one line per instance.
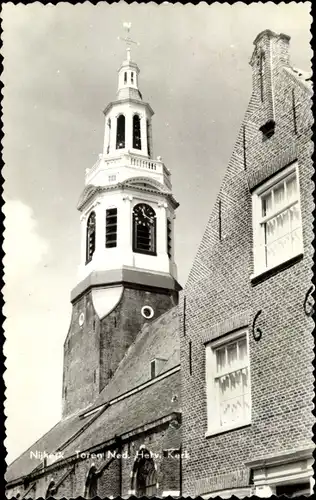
point(268, 129)
point(156, 366)
point(125, 78)
point(132, 78)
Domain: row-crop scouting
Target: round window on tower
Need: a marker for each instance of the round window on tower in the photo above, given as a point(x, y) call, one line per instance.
point(81, 319)
point(147, 312)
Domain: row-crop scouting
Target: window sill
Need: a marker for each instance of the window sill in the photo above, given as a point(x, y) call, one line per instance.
point(228, 428)
point(267, 273)
point(145, 252)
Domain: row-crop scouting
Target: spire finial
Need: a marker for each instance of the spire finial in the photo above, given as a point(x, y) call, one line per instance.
point(127, 26)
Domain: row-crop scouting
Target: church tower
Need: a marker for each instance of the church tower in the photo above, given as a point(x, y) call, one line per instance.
point(127, 273)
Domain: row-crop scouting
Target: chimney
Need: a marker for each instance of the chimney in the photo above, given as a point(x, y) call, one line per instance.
point(270, 55)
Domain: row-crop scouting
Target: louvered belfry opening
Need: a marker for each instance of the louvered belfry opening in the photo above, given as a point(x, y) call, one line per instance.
point(90, 237)
point(169, 240)
point(148, 137)
point(137, 143)
point(120, 132)
point(111, 228)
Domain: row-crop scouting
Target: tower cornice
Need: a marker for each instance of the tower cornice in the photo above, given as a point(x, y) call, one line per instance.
point(127, 277)
point(128, 100)
point(91, 191)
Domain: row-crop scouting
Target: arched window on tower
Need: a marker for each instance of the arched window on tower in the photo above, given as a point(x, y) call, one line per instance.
point(125, 78)
point(91, 486)
point(90, 237)
point(109, 136)
point(132, 78)
point(144, 475)
point(148, 137)
point(137, 143)
point(144, 229)
point(120, 132)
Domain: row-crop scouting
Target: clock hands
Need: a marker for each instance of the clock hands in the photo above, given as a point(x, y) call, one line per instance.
point(141, 216)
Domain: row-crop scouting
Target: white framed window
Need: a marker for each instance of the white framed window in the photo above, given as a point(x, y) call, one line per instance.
point(228, 383)
point(277, 226)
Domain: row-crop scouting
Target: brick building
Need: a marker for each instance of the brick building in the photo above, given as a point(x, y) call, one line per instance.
point(246, 331)
point(242, 326)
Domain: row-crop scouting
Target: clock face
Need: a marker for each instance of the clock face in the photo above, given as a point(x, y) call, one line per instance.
point(144, 215)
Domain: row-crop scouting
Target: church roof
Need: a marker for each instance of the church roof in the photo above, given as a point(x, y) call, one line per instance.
point(157, 339)
point(144, 407)
point(48, 443)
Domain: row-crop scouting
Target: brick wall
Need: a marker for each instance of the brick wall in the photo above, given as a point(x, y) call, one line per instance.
point(219, 289)
point(93, 351)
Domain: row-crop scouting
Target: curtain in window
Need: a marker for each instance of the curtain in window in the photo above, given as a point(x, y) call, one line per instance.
point(233, 382)
point(282, 235)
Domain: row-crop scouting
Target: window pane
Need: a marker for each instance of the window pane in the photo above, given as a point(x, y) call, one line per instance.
point(246, 406)
point(279, 196)
point(224, 388)
point(291, 188)
point(244, 380)
point(242, 346)
point(236, 387)
point(296, 240)
point(220, 359)
point(231, 355)
point(270, 230)
point(278, 236)
point(282, 224)
point(231, 411)
point(295, 216)
point(266, 204)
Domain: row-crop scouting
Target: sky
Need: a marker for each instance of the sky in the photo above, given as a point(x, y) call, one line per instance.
point(60, 71)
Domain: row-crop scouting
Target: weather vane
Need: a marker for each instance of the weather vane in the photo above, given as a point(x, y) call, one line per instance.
point(128, 40)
